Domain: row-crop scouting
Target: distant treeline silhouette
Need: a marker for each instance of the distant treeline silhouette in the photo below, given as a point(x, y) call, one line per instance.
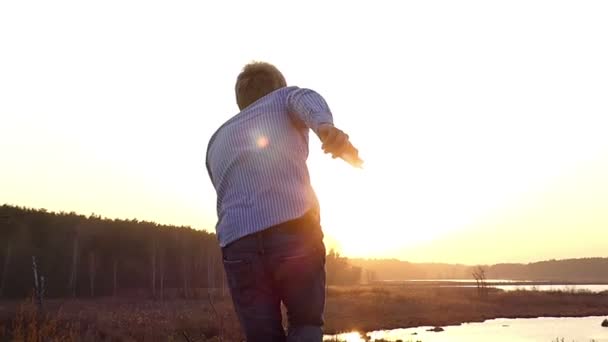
point(569, 270)
point(88, 256)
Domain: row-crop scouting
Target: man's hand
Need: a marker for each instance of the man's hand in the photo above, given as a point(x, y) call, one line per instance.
point(334, 140)
point(337, 144)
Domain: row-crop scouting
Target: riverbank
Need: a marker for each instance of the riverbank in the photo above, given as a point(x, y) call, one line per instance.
point(360, 308)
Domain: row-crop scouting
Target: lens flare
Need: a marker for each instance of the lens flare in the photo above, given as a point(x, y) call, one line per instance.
point(262, 142)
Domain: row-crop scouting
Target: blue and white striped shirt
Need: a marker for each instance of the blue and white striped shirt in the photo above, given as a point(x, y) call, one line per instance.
point(257, 162)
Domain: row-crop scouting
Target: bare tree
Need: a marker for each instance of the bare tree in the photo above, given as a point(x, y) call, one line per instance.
point(72, 283)
point(479, 274)
point(184, 265)
point(115, 276)
point(210, 272)
point(92, 271)
point(153, 266)
point(38, 284)
point(7, 255)
point(161, 271)
point(198, 266)
point(7, 261)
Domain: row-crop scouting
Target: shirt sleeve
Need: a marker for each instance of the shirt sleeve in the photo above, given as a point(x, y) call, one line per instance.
point(309, 107)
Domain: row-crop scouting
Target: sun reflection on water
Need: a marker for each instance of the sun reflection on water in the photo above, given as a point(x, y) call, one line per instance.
point(579, 329)
point(347, 337)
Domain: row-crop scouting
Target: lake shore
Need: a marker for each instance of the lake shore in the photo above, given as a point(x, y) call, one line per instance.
point(368, 308)
point(358, 308)
point(489, 282)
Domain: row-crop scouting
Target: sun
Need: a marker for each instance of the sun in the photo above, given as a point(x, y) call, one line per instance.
point(365, 215)
point(354, 221)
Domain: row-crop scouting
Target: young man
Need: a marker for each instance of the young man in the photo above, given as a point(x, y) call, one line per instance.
point(268, 214)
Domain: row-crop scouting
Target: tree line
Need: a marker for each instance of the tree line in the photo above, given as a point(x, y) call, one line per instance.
point(90, 256)
point(570, 270)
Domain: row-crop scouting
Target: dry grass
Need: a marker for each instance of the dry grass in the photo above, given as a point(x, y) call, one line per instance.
point(120, 320)
point(366, 308)
point(361, 308)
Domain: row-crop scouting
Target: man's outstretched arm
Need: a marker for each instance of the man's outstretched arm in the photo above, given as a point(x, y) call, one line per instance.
point(309, 107)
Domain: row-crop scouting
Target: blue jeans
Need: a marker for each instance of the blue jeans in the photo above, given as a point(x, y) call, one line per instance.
point(284, 263)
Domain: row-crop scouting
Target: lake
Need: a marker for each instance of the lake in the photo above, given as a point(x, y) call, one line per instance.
point(545, 329)
point(577, 287)
point(505, 284)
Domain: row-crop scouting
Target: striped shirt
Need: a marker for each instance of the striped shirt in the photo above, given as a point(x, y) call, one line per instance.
point(257, 162)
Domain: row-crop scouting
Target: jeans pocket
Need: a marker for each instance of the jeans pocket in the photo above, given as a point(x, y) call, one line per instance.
point(241, 279)
point(299, 266)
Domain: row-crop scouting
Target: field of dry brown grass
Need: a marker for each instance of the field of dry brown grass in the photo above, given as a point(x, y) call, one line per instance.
point(366, 308)
point(120, 319)
point(360, 308)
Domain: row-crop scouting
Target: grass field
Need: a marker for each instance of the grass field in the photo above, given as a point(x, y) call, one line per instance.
point(360, 308)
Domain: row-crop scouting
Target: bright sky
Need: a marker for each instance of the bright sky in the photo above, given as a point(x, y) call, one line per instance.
point(482, 123)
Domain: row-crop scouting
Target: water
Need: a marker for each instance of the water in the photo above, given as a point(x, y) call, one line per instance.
point(460, 280)
point(503, 284)
point(589, 287)
point(596, 288)
point(544, 329)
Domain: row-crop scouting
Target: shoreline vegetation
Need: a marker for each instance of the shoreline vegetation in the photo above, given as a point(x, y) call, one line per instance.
point(360, 308)
point(100, 279)
point(369, 308)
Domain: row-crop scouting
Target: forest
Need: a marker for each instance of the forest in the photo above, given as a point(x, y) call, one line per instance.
point(91, 256)
point(581, 270)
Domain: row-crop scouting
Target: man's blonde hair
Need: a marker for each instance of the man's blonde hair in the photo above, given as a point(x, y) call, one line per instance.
point(255, 81)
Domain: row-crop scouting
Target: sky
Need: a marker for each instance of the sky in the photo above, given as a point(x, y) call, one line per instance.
point(482, 123)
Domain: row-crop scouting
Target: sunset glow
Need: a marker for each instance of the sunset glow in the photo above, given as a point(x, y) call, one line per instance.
point(479, 132)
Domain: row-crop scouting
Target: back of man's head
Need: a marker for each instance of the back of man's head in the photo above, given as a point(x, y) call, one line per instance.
point(255, 81)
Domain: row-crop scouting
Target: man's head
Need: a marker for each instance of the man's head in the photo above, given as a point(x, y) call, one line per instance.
point(255, 81)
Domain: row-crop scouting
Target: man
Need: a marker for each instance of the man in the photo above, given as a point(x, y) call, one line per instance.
point(268, 215)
